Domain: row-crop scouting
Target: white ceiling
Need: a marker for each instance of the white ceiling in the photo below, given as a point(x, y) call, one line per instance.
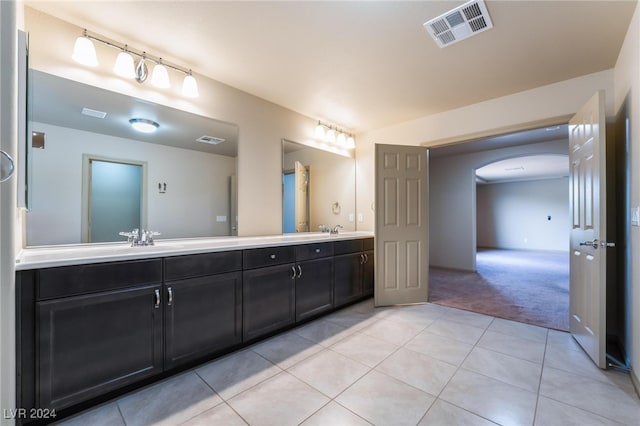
point(532, 167)
point(363, 65)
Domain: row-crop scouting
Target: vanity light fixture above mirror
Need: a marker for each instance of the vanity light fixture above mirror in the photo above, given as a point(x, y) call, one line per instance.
point(342, 139)
point(84, 52)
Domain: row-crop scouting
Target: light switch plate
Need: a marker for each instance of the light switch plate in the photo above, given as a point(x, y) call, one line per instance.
point(221, 218)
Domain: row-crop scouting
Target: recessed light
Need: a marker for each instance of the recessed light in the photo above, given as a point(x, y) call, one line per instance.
point(143, 125)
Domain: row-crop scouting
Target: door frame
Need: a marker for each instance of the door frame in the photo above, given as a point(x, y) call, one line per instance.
point(86, 190)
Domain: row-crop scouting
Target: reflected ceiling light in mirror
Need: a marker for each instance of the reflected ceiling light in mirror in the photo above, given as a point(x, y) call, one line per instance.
point(84, 52)
point(190, 86)
point(160, 76)
point(144, 125)
point(342, 139)
point(124, 66)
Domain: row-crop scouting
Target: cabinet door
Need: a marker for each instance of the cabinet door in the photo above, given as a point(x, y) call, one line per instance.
point(202, 315)
point(91, 344)
point(367, 273)
point(268, 297)
point(314, 287)
point(347, 278)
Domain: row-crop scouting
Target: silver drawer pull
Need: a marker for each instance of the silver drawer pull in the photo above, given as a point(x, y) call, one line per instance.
point(272, 256)
point(299, 272)
point(170, 294)
point(157, 294)
point(293, 273)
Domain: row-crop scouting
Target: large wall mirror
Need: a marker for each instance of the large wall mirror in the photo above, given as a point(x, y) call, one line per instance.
point(318, 189)
point(91, 175)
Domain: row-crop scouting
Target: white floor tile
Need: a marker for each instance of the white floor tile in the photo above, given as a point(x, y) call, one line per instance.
point(383, 400)
point(442, 413)
point(518, 329)
point(329, 372)
point(513, 345)
point(168, 403)
point(335, 414)
point(219, 415)
point(281, 400)
point(396, 332)
point(508, 369)
point(365, 349)
point(237, 372)
point(553, 413)
point(456, 330)
point(287, 349)
point(418, 370)
point(591, 395)
point(440, 347)
point(490, 398)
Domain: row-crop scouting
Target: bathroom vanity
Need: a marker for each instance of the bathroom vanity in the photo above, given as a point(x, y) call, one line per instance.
point(95, 321)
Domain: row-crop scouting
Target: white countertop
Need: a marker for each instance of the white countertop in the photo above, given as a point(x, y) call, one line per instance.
point(79, 254)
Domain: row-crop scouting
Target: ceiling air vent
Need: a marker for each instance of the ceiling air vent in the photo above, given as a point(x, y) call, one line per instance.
point(210, 140)
point(462, 22)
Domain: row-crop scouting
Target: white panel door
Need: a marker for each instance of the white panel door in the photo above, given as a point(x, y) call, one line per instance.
point(302, 197)
point(587, 188)
point(402, 245)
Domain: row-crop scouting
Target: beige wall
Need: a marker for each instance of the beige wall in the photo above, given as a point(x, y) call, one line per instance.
point(545, 105)
point(627, 82)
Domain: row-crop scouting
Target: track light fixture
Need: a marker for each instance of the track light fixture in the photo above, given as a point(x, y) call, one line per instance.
point(84, 52)
point(342, 139)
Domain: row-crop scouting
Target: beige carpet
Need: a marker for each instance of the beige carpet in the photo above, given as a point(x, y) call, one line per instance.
point(525, 286)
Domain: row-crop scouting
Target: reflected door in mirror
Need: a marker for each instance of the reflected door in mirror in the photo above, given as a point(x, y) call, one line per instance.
point(115, 199)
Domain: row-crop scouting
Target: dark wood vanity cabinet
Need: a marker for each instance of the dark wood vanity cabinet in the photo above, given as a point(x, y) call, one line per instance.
point(90, 342)
point(268, 290)
point(313, 280)
point(86, 331)
point(202, 297)
point(353, 270)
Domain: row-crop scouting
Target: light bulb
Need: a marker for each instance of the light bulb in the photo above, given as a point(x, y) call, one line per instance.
point(124, 65)
point(342, 139)
point(160, 76)
point(84, 52)
point(351, 143)
point(190, 86)
point(319, 132)
point(331, 135)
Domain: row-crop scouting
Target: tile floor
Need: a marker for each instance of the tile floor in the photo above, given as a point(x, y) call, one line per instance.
point(412, 365)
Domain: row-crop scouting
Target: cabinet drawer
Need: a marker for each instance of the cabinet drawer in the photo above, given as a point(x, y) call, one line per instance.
point(368, 244)
point(198, 265)
point(314, 251)
point(258, 258)
point(347, 246)
point(83, 279)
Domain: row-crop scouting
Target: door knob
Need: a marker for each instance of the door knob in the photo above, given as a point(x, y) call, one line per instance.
point(593, 243)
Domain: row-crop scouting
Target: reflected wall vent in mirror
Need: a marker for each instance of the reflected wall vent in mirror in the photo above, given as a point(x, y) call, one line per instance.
point(37, 140)
point(93, 113)
point(210, 140)
point(84, 52)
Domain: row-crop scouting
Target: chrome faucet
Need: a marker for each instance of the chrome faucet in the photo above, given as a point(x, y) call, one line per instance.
point(137, 238)
point(324, 228)
point(335, 229)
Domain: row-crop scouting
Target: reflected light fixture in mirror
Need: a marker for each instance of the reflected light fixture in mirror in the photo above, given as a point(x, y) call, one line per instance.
point(343, 139)
point(84, 52)
point(143, 125)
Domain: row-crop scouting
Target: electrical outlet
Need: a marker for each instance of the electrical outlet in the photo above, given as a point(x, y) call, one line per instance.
point(360, 217)
point(351, 217)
